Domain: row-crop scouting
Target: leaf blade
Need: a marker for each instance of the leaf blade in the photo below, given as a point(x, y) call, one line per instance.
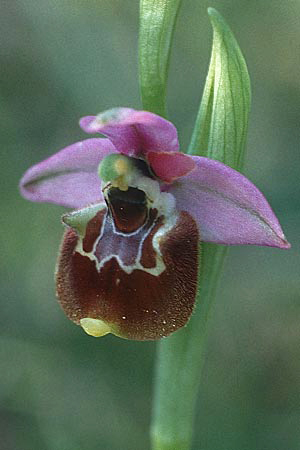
point(221, 126)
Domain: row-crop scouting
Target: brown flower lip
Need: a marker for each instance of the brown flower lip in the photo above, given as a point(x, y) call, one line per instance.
point(150, 301)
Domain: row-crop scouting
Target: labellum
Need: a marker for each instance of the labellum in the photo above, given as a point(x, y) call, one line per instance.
point(128, 266)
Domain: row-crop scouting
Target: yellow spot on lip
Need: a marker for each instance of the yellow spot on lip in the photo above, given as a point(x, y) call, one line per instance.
point(94, 327)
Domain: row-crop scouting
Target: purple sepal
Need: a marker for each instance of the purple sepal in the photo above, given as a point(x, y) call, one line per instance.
point(227, 207)
point(69, 177)
point(133, 133)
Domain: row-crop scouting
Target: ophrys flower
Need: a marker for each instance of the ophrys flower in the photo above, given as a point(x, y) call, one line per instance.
point(129, 257)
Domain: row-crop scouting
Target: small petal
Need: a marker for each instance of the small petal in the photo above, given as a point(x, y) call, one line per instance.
point(133, 132)
point(228, 208)
point(170, 166)
point(69, 177)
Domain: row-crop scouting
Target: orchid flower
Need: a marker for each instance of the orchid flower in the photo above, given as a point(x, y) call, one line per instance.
point(129, 258)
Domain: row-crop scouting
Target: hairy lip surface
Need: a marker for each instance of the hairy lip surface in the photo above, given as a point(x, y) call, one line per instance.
point(136, 305)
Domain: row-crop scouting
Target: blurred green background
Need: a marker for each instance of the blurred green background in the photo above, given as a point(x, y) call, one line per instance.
point(63, 390)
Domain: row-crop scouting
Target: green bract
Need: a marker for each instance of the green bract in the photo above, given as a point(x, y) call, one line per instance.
point(220, 133)
point(221, 126)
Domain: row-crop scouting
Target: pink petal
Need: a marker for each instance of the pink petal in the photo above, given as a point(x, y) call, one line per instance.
point(69, 177)
point(170, 166)
point(228, 208)
point(132, 132)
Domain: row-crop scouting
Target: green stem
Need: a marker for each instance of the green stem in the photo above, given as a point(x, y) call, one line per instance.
point(157, 24)
point(180, 358)
point(220, 133)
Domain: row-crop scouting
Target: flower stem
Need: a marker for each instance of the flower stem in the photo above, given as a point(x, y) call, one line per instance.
point(157, 24)
point(220, 133)
point(180, 358)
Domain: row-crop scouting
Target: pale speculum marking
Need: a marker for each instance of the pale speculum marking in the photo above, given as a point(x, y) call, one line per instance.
point(137, 216)
point(128, 248)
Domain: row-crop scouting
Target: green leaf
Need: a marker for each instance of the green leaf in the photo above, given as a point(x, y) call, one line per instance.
point(157, 23)
point(220, 133)
point(221, 126)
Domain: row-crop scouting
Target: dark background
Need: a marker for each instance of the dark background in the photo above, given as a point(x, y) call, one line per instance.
point(63, 390)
